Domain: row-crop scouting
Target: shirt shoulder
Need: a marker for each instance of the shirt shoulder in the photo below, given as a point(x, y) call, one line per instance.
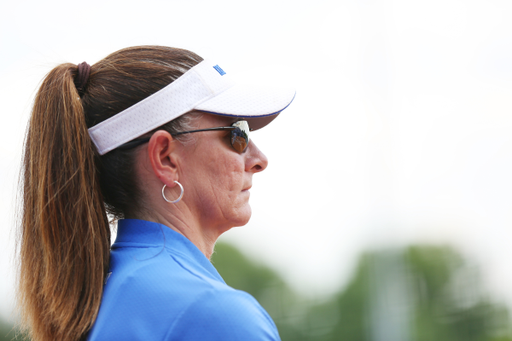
point(223, 315)
point(147, 290)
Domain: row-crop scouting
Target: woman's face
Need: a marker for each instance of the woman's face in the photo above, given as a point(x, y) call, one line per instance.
point(217, 178)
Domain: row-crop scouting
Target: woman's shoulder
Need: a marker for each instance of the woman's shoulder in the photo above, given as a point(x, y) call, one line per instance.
point(223, 314)
point(181, 310)
point(147, 290)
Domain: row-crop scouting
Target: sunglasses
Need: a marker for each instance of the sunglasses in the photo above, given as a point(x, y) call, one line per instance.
point(239, 136)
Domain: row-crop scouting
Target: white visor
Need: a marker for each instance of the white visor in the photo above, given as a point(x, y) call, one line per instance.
point(205, 87)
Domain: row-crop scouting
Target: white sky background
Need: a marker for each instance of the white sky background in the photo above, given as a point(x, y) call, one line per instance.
point(400, 132)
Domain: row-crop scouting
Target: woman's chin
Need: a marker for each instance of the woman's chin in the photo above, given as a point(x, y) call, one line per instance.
point(243, 216)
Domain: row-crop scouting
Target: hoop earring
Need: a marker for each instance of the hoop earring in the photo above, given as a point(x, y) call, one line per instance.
point(179, 198)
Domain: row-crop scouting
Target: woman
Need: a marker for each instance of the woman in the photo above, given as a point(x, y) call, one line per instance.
point(159, 137)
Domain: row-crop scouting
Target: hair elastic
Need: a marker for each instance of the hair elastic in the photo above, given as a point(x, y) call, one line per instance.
point(82, 76)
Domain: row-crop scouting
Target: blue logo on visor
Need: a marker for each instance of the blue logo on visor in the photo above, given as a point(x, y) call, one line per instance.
point(219, 70)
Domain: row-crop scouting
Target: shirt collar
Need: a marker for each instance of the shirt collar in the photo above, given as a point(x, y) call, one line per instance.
point(140, 233)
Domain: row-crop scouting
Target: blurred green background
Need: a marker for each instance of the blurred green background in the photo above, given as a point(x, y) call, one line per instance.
point(418, 293)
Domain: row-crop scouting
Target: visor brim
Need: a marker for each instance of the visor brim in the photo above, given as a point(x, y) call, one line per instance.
point(257, 105)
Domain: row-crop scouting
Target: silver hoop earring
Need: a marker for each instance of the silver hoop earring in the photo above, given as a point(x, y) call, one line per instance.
point(179, 198)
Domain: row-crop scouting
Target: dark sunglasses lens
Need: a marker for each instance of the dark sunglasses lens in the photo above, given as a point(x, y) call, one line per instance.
point(239, 140)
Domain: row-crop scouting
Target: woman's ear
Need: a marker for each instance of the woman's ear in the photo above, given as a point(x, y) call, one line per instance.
point(163, 158)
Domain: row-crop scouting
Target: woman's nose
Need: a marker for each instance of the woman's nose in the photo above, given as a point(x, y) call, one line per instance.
point(256, 161)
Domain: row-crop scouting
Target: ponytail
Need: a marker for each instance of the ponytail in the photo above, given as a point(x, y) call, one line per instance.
point(64, 232)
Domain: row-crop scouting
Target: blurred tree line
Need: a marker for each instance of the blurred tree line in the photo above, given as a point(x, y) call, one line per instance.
point(421, 293)
point(6, 331)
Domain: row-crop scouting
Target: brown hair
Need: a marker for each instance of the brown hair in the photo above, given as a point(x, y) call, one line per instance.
point(67, 187)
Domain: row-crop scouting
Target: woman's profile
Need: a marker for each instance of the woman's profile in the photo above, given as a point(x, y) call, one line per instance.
point(158, 138)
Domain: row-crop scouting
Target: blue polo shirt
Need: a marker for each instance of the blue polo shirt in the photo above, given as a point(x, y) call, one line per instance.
point(161, 287)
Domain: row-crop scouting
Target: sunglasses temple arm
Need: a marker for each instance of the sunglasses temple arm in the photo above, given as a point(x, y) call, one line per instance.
point(138, 142)
point(206, 129)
